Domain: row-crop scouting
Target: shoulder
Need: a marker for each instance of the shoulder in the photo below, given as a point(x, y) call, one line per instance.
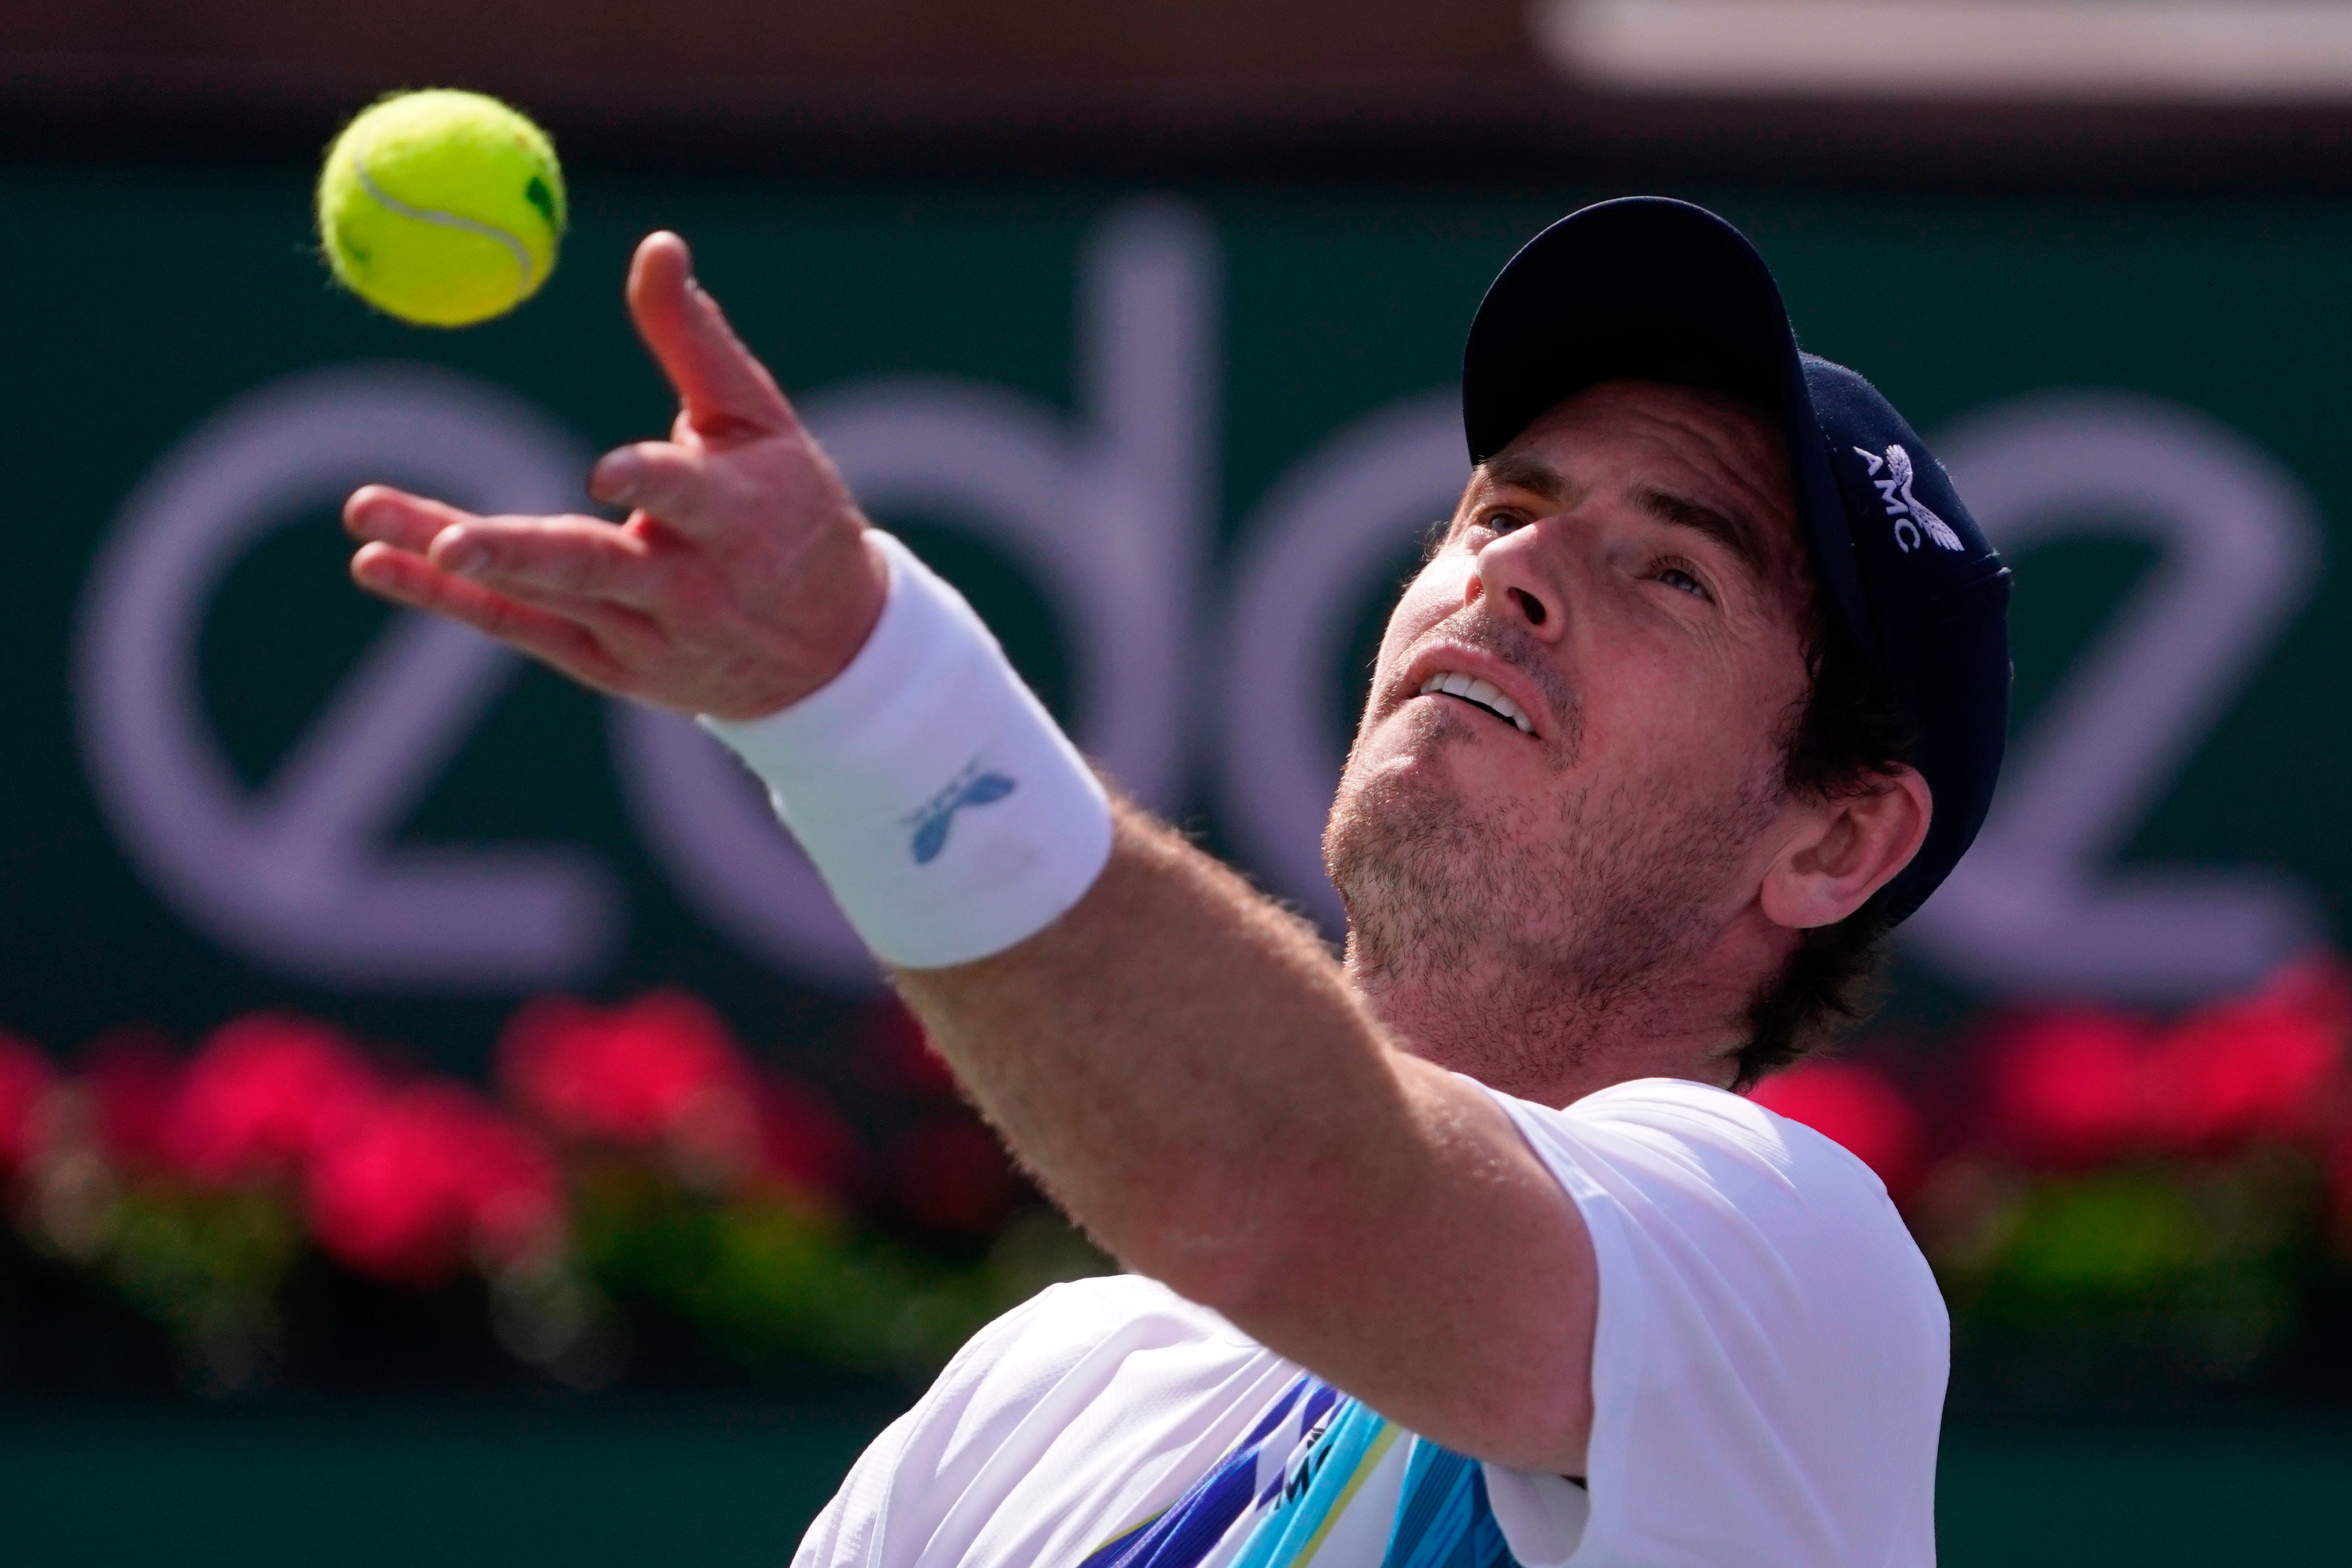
point(1054, 1333)
point(1764, 1314)
point(1064, 1347)
point(1675, 1134)
point(1056, 1425)
point(1702, 1193)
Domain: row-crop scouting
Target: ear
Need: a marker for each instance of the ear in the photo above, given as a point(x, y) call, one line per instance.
point(1847, 849)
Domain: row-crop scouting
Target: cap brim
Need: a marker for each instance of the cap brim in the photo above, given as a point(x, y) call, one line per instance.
point(1649, 288)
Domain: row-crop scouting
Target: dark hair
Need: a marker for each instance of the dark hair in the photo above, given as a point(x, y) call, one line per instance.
point(1847, 729)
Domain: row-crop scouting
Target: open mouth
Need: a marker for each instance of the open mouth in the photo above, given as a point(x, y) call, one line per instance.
point(1478, 693)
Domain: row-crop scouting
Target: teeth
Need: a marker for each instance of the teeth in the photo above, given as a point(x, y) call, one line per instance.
point(1485, 693)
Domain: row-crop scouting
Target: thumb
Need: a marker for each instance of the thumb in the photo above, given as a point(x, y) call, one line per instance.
point(722, 387)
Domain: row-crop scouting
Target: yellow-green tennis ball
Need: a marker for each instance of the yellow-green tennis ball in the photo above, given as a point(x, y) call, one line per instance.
point(443, 208)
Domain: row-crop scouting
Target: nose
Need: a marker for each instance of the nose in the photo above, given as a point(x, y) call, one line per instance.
point(1509, 572)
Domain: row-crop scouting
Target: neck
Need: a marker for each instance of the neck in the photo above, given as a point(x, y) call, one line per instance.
point(1542, 1037)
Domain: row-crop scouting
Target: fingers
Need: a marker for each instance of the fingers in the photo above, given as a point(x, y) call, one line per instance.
point(387, 516)
point(409, 579)
point(533, 557)
point(571, 557)
point(724, 389)
point(670, 482)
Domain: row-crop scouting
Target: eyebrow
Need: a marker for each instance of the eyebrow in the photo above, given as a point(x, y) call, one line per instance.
point(1524, 471)
point(1730, 531)
point(1520, 471)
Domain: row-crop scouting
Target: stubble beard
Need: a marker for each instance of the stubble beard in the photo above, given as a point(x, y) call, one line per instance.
point(1503, 937)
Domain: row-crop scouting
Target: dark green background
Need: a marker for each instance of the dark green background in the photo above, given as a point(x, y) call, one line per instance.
point(720, 1487)
point(142, 302)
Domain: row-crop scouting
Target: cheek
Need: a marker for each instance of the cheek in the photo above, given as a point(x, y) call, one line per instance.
point(1691, 718)
point(1433, 594)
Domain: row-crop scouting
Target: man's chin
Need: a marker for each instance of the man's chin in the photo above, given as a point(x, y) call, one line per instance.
point(1401, 844)
point(1401, 794)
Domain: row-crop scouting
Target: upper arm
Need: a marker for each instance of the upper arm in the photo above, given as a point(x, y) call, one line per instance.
point(1436, 1269)
point(1183, 1067)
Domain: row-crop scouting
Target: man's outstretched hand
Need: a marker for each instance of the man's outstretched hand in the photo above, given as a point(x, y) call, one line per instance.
point(742, 580)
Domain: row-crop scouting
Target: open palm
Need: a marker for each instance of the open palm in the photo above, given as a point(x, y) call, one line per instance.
point(741, 581)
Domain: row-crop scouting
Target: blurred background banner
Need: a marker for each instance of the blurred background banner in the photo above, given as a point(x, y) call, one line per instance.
point(1181, 448)
point(2232, 51)
point(384, 1017)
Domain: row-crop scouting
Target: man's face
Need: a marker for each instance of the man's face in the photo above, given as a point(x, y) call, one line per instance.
point(1628, 575)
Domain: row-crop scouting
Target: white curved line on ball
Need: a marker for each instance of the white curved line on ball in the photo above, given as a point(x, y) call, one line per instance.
point(447, 220)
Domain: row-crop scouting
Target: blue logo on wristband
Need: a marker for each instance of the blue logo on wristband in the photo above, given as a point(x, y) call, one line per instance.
point(970, 787)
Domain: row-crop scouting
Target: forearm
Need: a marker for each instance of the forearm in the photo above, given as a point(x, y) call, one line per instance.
point(1177, 1059)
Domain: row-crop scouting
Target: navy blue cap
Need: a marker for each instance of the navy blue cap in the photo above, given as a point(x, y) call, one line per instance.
point(1646, 288)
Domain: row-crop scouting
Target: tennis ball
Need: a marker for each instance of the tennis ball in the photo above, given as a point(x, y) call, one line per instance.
point(443, 208)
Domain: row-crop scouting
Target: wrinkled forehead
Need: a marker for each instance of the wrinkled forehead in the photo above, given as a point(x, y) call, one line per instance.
point(1677, 445)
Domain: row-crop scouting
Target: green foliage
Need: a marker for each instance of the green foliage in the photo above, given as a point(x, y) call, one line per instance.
point(208, 1265)
point(2201, 1266)
point(768, 1278)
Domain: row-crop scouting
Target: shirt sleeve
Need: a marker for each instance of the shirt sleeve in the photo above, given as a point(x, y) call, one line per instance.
point(1771, 1354)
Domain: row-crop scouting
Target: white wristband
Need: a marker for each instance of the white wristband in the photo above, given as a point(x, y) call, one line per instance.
point(948, 813)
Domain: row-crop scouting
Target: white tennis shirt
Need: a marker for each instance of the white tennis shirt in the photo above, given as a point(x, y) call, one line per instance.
point(1768, 1380)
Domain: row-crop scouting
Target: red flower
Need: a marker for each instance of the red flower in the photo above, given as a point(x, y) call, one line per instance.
point(426, 1175)
point(1854, 1106)
point(2239, 1070)
point(661, 1068)
point(2080, 1086)
point(264, 1095)
point(949, 1174)
point(25, 1078)
point(2067, 1085)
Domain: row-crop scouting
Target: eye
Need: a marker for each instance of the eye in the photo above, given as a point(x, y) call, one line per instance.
point(1501, 519)
point(1677, 576)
